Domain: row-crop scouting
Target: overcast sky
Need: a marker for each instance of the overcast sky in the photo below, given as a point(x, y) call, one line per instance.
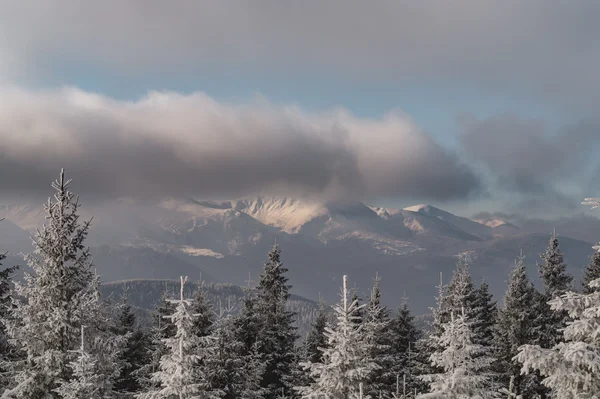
point(471, 105)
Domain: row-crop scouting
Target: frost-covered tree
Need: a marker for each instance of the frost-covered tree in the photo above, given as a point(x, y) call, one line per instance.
point(346, 363)
point(59, 295)
point(460, 293)
point(556, 280)
point(92, 376)
point(135, 354)
point(378, 342)
point(516, 328)
point(404, 338)
point(161, 329)
point(178, 375)
point(316, 340)
point(463, 363)
point(486, 311)
point(277, 334)
point(201, 307)
point(246, 327)
point(229, 370)
point(571, 368)
point(8, 353)
point(592, 272)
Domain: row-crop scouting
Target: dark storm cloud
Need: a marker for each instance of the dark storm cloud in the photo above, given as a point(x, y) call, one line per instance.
point(546, 47)
point(170, 144)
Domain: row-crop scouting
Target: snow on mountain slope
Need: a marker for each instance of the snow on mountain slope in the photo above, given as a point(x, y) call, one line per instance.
point(286, 213)
point(467, 225)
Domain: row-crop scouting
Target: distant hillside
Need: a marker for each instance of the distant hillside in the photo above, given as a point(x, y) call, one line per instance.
point(144, 295)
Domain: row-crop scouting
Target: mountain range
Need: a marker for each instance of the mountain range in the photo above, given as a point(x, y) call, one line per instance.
point(227, 242)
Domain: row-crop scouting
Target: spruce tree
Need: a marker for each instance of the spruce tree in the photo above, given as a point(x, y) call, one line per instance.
point(316, 340)
point(487, 312)
point(346, 364)
point(92, 376)
point(135, 355)
point(201, 307)
point(58, 297)
point(556, 281)
point(460, 293)
point(516, 328)
point(592, 272)
point(463, 363)
point(229, 371)
point(404, 338)
point(246, 327)
point(8, 353)
point(162, 329)
point(277, 334)
point(178, 375)
point(572, 367)
point(378, 342)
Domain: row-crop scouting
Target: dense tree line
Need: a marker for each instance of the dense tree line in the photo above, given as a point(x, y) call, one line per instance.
point(60, 339)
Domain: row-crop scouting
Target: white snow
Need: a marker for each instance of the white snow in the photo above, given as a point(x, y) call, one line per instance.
point(192, 251)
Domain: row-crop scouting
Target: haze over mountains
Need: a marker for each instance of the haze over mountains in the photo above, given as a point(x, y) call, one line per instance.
point(226, 241)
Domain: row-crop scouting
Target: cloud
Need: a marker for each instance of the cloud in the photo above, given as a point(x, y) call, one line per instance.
point(551, 170)
point(172, 144)
point(543, 47)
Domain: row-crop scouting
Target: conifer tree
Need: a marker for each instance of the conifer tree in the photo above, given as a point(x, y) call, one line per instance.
point(572, 367)
point(8, 353)
point(553, 273)
point(135, 354)
point(460, 293)
point(463, 363)
point(487, 312)
point(91, 379)
point(246, 328)
point(178, 375)
point(316, 340)
point(346, 363)
point(230, 370)
point(277, 335)
point(162, 329)
point(592, 272)
point(405, 350)
point(201, 307)
point(58, 297)
point(378, 342)
point(516, 328)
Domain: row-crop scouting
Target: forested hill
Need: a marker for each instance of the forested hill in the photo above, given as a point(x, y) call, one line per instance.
point(145, 294)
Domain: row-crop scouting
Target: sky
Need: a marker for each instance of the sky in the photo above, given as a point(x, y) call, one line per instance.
point(467, 105)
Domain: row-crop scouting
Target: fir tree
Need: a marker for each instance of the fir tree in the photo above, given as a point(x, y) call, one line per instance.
point(556, 282)
point(463, 363)
point(316, 340)
point(90, 378)
point(378, 341)
point(246, 327)
point(277, 334)
point(135, 354)
point(460, 293)
point(201, 307)
point(162, 329)
point(515, 328)
point(572, 367)
point(487, 312)
point(404, 338)
point(592, 272)
point(178, 375)
point(230, 370)
point(346, 363)
point(56, 299)
point(8, 352)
